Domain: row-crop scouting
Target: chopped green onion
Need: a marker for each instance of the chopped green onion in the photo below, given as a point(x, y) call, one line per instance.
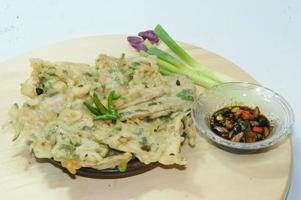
point(92, 109)
point(106, 117)
point(101, 112)
point(111, 107)
point(115, 96)
point(122, 167)
point(186, 95)
point(98, 104)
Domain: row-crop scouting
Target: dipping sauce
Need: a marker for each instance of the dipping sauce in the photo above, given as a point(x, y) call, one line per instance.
point(240, 124)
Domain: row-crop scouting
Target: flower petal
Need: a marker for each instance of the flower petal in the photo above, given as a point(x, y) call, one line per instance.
point(150, 35)
point(137, 43)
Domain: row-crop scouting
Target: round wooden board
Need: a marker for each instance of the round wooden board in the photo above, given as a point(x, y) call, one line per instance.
point(211, 173)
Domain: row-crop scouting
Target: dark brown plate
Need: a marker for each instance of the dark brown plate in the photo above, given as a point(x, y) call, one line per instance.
point(134, 167)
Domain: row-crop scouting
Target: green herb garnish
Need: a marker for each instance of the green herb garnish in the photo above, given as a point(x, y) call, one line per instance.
point(138, 132)
point(125, 113)
point(142, 110)
point(143, 141)
point(86, 128)
point(135, 64)
point(154, 103)
point(100, 107)
point(186, 94)
point(101, 112)
point(118, 128)
point(88, 74)
point(122, 167)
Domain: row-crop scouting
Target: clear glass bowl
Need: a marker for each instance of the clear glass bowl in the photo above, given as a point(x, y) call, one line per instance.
point(271, 104)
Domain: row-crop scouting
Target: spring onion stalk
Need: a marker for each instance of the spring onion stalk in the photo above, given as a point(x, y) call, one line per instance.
point(169, 58)
point(164, 71)
point(195, 77)
point(168, 67)
point(143, 53)
point(181, 53)
point(165, 56)
point(170, 64)
point(147, 43)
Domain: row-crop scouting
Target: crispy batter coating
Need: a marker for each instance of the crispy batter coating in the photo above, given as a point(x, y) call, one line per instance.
point(154, 113)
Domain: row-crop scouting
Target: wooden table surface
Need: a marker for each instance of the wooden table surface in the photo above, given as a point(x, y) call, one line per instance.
point(211, 173)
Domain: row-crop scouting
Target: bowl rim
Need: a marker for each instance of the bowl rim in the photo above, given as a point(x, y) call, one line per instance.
point(287, 130)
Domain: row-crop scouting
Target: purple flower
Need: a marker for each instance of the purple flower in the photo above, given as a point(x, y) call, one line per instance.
point(137, 43)
point(150, 35)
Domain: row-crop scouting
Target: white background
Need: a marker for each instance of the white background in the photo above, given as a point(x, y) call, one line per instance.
point(261, 36)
